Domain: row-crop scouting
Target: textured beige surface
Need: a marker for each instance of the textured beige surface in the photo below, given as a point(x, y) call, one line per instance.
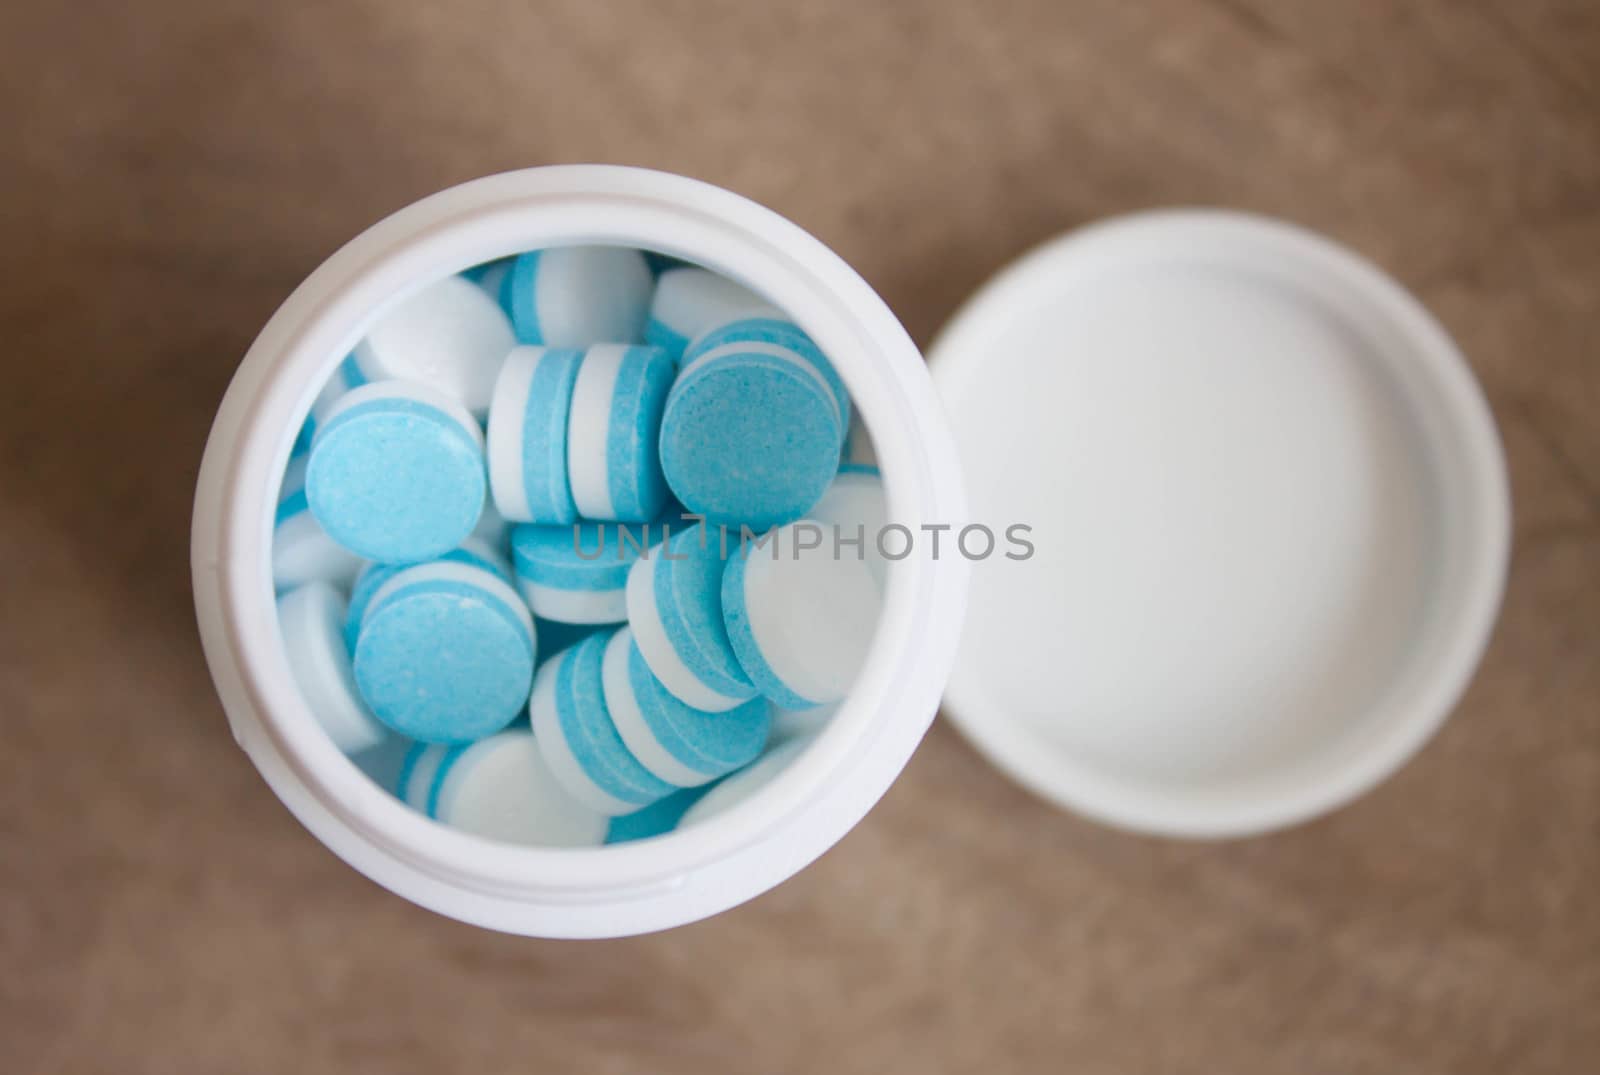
point(171, 170)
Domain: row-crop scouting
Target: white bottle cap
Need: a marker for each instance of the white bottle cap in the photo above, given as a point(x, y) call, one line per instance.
point(1269, 522)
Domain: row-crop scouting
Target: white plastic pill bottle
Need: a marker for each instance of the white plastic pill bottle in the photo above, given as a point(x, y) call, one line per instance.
point(627, 888)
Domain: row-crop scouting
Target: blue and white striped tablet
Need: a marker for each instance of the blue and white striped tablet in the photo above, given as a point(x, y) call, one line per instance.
point(450, 336)
point(687, 302)
point(767, 324)
point(857, 511)
point(345, 377)
point(750, 435)
point(800, 621)
point(501, 789)
point(471, 551)
point(445, 652)
point(302, 551)
point(744, 784)
point(528, 435)
point(311, 618)
point(674, 602)
point(657, 819)
point(396, 473)
point(579, 573)
point(573, 296)
point(578, 739)
point(415, 784)
point(614, 430)
point(677, 743)
point(494, 277)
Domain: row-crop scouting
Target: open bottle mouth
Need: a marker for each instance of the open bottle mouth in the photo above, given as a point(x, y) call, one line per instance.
point(599, 890)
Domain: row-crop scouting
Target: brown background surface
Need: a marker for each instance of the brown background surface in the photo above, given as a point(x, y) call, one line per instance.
point(171, 169)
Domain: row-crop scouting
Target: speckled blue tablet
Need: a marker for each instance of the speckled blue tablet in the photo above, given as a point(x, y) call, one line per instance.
point(578, 740)
point(657, 819)
point(396, 473)
point(801, 623)
point(579, 573)
point(614, 430)
point(750, 436)
point(677, 743)
point(767, 324)
point(572, 296)
point(674, 603)
point(302, 551)
point(472, 551)
point(687, 302)
point(445, 652)
point(528, 435)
